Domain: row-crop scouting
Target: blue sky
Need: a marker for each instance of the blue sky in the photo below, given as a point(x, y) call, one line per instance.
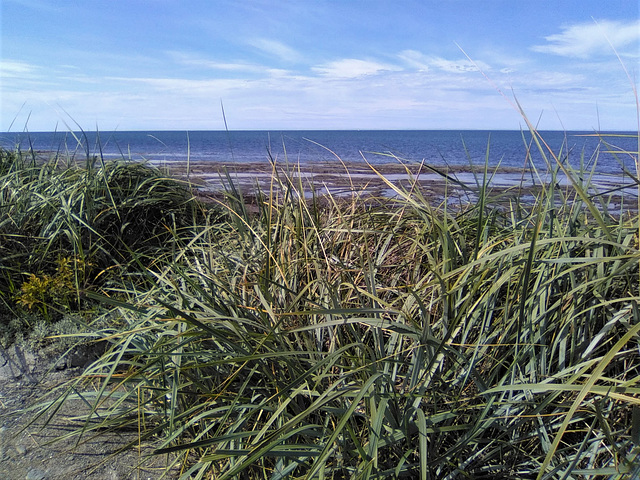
point(276, 65)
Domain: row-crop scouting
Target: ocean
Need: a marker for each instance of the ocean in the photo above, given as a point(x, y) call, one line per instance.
point(435, 147)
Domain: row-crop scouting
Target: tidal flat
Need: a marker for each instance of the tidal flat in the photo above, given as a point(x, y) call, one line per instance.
point(451, 184)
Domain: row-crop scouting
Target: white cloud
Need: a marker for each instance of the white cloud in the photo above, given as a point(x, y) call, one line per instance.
point(185, 86)
point(14, 68)
point(551, 79)
point(233, 67)
point(352, 68)
point(197, 61)
point(458, 66)
point(425, 63)
point(415, 59)
point(275, 48)
point(419, 91)
point(585, 39)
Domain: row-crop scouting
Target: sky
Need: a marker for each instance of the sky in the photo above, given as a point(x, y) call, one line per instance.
point(321, 64)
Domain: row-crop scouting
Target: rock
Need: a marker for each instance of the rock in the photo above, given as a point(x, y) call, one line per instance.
point(35, 474)
point(85, 354)
point(3, 452)
point(16, 362)
point(19, 363)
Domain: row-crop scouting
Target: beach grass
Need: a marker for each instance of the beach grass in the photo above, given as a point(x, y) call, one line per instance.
point(323, 337)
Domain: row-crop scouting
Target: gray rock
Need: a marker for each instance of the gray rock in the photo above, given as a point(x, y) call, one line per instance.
point(16, 362)
point(35, 474)
point(80, 356)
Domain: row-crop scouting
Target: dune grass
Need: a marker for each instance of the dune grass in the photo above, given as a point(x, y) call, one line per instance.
point(69, 225)
point(330, 338)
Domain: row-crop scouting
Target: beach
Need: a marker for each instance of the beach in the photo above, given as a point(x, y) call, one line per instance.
point(455, 185)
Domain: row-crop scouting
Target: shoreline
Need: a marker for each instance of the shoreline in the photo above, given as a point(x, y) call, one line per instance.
point(435, 183)
point(453, 184)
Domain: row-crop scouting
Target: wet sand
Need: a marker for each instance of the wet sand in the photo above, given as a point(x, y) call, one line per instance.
point(456, 185)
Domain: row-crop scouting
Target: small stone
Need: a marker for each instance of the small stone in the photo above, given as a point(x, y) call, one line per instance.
point(21, 449)
point(35, 474)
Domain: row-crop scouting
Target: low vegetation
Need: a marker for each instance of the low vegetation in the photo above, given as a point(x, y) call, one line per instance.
point(331, 338)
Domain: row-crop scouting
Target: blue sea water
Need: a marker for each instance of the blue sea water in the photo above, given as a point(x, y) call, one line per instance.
point(435, 147)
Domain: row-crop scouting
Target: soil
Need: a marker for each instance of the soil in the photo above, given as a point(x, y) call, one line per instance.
point(31, 451)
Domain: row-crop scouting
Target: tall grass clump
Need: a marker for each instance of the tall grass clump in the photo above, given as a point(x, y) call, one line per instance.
point(66, 226)
point(388, 338)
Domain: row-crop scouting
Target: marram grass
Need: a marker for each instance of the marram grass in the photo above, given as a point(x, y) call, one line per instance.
point(329, 339)
point(95, 217)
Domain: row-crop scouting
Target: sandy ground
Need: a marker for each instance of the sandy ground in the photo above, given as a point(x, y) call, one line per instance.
point(37, 452)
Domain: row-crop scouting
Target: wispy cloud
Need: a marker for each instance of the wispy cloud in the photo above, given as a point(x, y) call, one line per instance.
point(422, 62)
point(276, 49)
point(550, 79)
point(352, 68)
point(197, 61)
point(15, 68)
point(415, 59)
point(458, 66)
point(184, 86)
point(585, 39)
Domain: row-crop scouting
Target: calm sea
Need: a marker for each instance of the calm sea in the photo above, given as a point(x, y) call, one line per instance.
point(436, 147)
